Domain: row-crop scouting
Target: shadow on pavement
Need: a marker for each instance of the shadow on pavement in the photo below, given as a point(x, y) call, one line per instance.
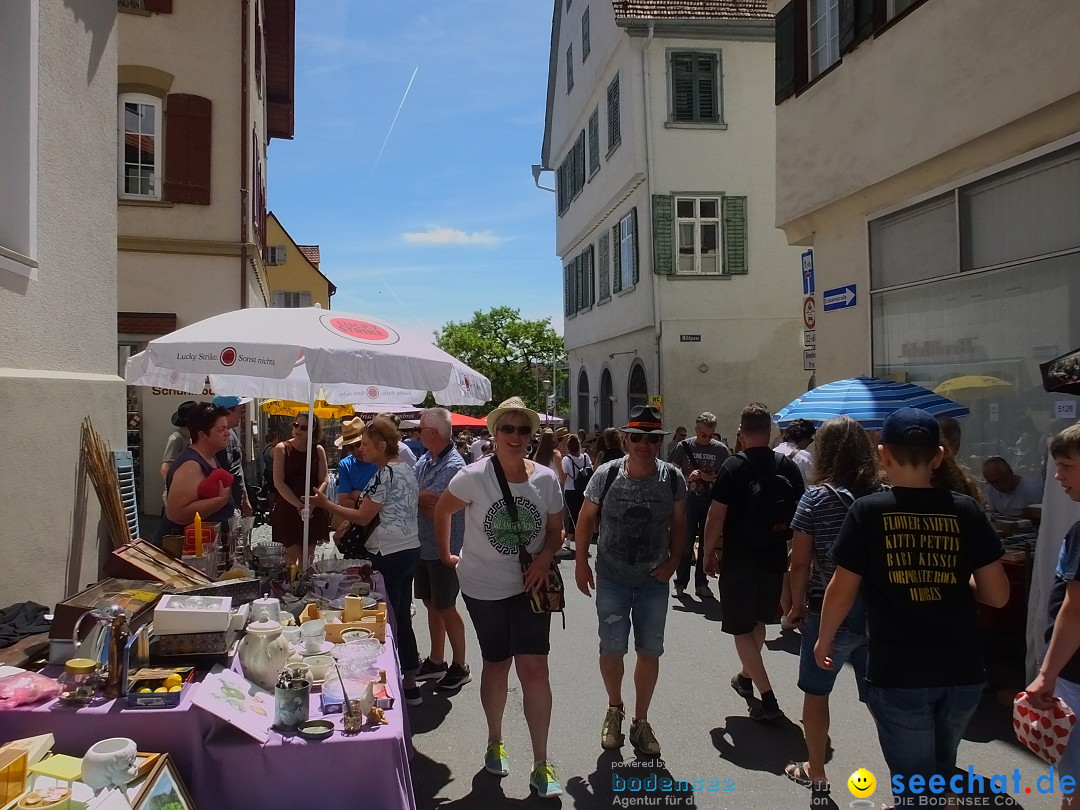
point(429, 777)
point(788, 641)
point(615, 780)
point(430, 714)
point(756, 746)
point(709, 608)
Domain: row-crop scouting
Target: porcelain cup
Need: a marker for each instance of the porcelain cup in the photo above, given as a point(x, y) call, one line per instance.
point(313, 633)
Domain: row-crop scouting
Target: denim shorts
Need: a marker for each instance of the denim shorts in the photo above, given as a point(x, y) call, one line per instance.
point(920, 729)
point(1069, 764)
point(620, 606)
point(849, 645)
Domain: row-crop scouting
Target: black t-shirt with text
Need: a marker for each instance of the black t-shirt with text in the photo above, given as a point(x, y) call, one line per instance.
point(731, 487)
point(916, 550)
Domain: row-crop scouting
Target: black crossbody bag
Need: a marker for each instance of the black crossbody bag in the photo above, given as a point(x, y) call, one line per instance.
point(550, 595)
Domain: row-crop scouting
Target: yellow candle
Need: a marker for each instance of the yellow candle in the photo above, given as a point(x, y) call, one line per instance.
point(198, 535)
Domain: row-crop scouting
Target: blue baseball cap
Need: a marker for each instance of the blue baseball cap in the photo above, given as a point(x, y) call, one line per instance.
point(230, 402)
point(911, 427)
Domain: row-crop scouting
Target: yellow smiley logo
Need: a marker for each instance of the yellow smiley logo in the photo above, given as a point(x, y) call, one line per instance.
point(861, 783)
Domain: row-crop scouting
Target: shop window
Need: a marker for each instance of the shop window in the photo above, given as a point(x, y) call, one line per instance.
point(915, 244)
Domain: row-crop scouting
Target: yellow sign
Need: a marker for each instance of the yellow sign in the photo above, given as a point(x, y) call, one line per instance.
point(861, 783)
point(656, 401)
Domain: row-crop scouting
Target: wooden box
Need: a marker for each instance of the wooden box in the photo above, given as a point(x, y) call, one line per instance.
point(139, 596)
point(142, 560)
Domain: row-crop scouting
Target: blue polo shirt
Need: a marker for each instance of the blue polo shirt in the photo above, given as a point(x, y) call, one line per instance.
point(434, 473)
point(354, 475)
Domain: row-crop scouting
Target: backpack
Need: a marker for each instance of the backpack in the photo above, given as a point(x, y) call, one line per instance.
point(609, 479)
point(581, 477)
point(769, 507)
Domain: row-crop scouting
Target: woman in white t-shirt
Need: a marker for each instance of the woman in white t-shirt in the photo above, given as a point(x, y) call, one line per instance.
point(394, 544)
point(573, 463)
point(492, 582)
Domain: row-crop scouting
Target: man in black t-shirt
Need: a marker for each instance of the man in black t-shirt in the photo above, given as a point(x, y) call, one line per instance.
point(752, 561)
point(922, 557)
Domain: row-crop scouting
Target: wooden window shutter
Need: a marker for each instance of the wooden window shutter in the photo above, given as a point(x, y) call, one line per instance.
point(568, 289)
point(590, 273)
point(847, 25)
point(856, 23)
point(605, 266)
point(802, 45)
point(881, 13)
point(187, 149)
point(706, 89)
point(735, 236)
point(663, 238)
point(158, 6)
point(634, 273)
point(864, 20)
point(616, 259)
point(579, 286)
point(614, 136)
point(682, 89)
point(785, 52)
point(594, 141)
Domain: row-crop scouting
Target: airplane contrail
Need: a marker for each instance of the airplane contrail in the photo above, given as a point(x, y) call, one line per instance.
point(389, 131)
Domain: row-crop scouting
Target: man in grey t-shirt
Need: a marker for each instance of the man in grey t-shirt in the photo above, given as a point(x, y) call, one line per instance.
point(699, 458)
point(640, 503)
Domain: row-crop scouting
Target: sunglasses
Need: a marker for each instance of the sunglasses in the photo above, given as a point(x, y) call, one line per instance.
point(300, 425)
point(652, 438)
point(520, 430)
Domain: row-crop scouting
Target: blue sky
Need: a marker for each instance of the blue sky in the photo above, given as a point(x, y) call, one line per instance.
point(448, 220)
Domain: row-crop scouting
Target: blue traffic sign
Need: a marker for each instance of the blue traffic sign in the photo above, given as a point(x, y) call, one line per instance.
point(840, 298)
point(808, 273)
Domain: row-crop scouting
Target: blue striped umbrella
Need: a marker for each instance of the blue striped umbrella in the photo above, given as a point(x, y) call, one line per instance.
point(867, 400)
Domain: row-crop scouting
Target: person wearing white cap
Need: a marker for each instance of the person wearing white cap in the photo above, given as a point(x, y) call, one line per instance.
point(232, 457)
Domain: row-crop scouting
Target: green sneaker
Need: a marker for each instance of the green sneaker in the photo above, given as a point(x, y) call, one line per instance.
point(544, 781)
point(495, 759)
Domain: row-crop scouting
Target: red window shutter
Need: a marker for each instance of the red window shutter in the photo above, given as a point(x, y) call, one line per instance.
point(187, 149)
point(158, 6)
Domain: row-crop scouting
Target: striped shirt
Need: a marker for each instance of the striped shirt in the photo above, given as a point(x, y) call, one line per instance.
point(820, 514)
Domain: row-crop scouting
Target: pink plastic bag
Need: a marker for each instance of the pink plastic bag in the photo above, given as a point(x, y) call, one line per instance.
point(26, 687)
point(1044, 731)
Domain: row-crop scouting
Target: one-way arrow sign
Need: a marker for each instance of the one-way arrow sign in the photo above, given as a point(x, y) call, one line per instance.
point(840, 298)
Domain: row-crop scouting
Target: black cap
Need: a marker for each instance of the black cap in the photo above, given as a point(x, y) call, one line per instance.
point(911, 427)
point(179, 419)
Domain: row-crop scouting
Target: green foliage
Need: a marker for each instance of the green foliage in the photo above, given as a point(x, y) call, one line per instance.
point(515, 354)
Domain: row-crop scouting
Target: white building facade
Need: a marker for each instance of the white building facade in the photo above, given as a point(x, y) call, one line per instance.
point(57, 288)
point(660, 134)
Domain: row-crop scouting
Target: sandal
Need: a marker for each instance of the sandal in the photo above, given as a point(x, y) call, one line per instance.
point(798, 772)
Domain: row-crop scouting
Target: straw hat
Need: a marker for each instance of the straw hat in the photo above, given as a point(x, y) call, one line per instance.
point(351, 432)
point(512, 404)
point(561, 433)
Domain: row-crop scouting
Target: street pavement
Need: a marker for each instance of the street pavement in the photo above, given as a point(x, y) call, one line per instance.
point(702, 726)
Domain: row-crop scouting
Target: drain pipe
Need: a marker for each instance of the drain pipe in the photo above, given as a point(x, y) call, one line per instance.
point(658, 327)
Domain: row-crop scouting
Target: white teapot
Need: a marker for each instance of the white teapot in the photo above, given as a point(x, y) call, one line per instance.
point(263, 652)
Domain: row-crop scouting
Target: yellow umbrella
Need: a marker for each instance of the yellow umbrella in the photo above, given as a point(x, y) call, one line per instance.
point(323, 410)
point(971, 385)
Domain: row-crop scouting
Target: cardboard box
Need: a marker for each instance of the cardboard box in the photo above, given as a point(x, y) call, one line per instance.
point(176, 614)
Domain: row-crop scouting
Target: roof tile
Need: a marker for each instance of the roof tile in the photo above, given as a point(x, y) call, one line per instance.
point(311, 253)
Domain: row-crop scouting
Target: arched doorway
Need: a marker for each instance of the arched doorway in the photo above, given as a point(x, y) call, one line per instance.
point(606, 419)
point(637, 388)
point(583, 401)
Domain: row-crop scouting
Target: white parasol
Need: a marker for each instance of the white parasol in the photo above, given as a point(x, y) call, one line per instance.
point(301, 353)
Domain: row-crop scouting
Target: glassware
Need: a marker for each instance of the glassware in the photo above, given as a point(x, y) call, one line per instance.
point(79, 681)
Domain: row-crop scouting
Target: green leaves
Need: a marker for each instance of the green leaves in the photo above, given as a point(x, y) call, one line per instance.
point(515, 354)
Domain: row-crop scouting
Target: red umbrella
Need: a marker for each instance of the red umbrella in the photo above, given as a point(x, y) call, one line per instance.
point(460, 420)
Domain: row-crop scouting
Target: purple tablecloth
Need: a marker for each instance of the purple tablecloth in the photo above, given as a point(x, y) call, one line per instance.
point(225, 769)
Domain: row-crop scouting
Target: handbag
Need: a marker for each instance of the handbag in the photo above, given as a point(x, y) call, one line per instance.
point(550, 595)
point(353, 544)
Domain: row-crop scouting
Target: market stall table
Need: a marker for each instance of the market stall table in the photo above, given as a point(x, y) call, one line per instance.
point(226, 769)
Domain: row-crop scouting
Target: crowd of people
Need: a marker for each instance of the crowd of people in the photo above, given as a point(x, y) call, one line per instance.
point(874, 545)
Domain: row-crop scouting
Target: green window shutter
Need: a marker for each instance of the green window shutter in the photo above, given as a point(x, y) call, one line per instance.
point(634, 274)
point(594, 141)
point(682, 80)
point(605, 266)
point(590, 261)
point(614, 135)
point(707, 81)
point(663, 238)
point(616, 259)
point(735, 236)
point(568, 289)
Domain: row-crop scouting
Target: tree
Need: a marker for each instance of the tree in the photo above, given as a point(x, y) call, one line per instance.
point(515, 354)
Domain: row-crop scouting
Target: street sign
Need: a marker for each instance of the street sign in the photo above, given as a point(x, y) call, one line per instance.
point(808, 316)
point(840, 298)
point(808, 273)
point(810, 338)
point(656, 400)
point(689, 338)
point(809, 360)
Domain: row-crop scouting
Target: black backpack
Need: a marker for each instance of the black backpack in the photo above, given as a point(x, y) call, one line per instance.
point(581, 477)
point(769, 506)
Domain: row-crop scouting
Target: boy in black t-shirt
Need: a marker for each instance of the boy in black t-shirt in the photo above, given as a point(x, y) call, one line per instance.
point(1060, 671)
point(922, 556)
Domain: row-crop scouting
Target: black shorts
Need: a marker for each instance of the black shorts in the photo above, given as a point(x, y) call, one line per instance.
point(436, 583)
point(749, 594)
point(508, 627)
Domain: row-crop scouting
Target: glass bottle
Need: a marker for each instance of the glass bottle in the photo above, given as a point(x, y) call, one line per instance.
point(79, 681)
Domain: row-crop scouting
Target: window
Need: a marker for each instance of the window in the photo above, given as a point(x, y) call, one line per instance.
point(570, 176)
point(624, 249)
point(637, 387)
point(695, 88)
point(579, 277)
point(291, 299)
point(19, 137)
point(607, 401)
point(898, 7)
point(614, 134)
point(697, 222)
point(275, 255)
point(594, 142)
point(824, 18)
point(140, 146)
point(586, 47)
point(583, 400)
point(605, 268)
point(569, 68)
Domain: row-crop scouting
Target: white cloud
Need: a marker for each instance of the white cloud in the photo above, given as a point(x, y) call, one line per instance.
point(450, 236)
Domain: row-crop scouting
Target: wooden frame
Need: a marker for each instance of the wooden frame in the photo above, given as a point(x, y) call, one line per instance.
point(163, 779)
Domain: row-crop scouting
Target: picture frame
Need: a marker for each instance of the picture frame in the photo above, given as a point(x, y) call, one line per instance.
point(162, 789)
